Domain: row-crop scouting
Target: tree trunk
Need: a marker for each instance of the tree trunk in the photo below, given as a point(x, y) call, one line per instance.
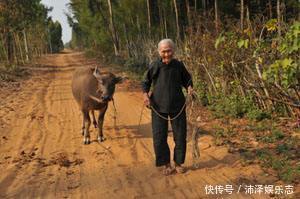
point(242, 15)
point(18, 43)
point(204, 6)
point(14, 46)
point(258, 70)
point(35, 52)
point(177, 20)
point(3, 49)
point(41, 49)
point(10, 51)
point(188, 11)
point(216, 16)
point(50, 42)
point(161, 21)
point(165, 24)
point(279, 18)
point(149, 17)
point(283, 12)
point(248, 17)
point(270, 9)
point(138, 24)
point(25, 45)
point(208, 73)
point(113, 30)
point(238, 79)
point(127, 41)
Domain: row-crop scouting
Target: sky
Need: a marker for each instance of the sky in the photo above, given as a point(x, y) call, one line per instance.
point(57, 14)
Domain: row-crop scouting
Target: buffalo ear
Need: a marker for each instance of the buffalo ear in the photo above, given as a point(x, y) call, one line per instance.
point(119, 80)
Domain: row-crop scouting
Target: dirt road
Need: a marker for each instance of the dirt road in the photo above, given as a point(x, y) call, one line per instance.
point(42, 155)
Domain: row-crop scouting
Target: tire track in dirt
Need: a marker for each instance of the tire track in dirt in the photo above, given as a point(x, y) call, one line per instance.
point(23, 139)
point(43, 155)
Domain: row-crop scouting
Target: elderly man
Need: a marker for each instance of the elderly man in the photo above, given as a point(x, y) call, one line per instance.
point(168, 76)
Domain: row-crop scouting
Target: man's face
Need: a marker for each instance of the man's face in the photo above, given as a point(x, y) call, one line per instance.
point(166, 52)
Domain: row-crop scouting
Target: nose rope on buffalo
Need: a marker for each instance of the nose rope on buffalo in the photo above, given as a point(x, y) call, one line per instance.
point(195, 132)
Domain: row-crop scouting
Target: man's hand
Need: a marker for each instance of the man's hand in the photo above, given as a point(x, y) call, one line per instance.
point(146, 99)
point(190, 90)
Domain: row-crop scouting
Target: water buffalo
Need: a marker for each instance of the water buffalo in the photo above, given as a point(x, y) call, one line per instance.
point(93, 90)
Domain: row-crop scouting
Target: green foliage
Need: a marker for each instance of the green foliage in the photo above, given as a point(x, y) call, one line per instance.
point(200, 88)
point(257, 114)
point(243, 43)
point(18, 14)
point(271, 25)
point(233, 105)
point(219, 40)
point(218, 135)
point(291, 42)
point(136, 63)
point(274, 136)
point(286, 71)
point(223, 135)
point(290, 174)
point(24, 31)
point(262, 154)
point(281, 164)
point(55, 34)
point(283, 148)
point(290, 145)
point(259, 126)
point(235, 63)
point(277, 134)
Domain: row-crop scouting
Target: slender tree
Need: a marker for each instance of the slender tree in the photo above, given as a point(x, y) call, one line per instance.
point(177, 20)
point(242, 15)
point(216, 16)
point(149, 16)
point(270, 9)
point(113, 29)
point(188, 11)
point(204, 6)
point(278, 18)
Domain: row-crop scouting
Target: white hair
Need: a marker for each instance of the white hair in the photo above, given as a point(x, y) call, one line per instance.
point(166, 41)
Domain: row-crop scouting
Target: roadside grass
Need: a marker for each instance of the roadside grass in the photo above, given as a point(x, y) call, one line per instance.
point(12, 73)
point(275, 150)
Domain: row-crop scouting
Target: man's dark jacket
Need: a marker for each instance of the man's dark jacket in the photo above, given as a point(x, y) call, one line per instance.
point(167, 80)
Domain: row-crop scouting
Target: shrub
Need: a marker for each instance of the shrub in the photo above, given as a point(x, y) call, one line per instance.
point(257, 114)
point(233, 105)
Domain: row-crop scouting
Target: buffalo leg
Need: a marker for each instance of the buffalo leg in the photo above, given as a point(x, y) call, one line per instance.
point(82, 129)
point(94, 119)
point(87, 123)
point(100, 124)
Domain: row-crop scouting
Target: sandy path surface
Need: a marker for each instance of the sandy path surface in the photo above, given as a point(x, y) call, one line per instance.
point(42, 155)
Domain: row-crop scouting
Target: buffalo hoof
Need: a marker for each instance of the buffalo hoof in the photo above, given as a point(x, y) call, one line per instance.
point(86, 141)
point(101, 139)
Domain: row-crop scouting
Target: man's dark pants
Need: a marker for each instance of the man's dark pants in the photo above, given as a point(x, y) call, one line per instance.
point(160, 135)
